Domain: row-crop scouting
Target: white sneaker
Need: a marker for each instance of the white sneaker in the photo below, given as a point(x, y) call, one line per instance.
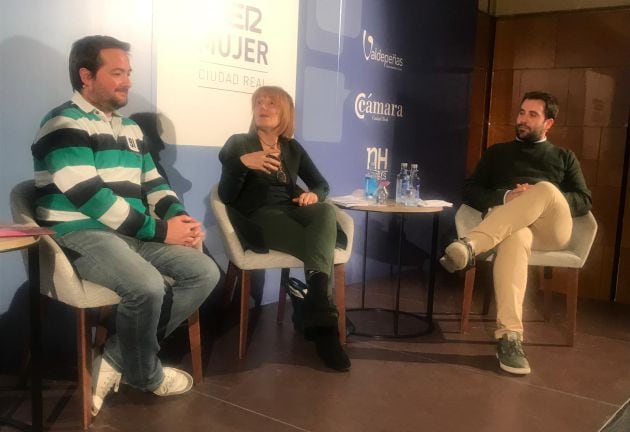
point(175, 382)
point(104, 379)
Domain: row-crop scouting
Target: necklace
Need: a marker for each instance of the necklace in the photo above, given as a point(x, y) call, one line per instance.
point(273, 146)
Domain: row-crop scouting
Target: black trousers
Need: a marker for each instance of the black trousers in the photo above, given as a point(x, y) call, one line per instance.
point(310, 234)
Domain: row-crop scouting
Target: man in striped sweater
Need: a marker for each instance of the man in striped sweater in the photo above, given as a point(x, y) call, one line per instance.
point(118, 220)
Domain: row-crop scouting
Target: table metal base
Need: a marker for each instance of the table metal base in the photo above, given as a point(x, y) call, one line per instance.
point(395, 334)
point(427, 318)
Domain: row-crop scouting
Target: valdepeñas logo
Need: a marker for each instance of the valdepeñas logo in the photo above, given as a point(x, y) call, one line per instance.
point(379, 110)
point(374, 53)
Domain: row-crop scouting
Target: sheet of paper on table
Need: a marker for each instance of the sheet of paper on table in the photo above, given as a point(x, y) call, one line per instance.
point(351, 201)
point(23, 231)
point(434, 203)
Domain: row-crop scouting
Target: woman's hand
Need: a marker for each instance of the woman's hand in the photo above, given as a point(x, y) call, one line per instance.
point(306, 198)
point(266, 162)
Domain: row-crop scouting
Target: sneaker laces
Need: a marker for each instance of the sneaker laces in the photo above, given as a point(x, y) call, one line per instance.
point(106, 379)
point(513, 346)
point(169, 380)
point(112, 380)
point(175, 382)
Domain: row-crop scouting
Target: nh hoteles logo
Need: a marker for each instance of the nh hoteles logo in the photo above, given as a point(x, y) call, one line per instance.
point(374, 53)
point(379, 110)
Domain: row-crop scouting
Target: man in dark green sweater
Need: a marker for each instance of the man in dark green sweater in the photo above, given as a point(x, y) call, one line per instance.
point(530, 190)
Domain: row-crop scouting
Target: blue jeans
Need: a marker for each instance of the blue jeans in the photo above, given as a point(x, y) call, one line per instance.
point(149, 307)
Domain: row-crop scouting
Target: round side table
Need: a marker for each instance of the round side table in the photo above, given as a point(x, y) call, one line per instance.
point(391, 207)
point(31, 243)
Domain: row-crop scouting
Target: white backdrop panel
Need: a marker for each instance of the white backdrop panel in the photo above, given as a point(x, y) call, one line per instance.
point(210, 57)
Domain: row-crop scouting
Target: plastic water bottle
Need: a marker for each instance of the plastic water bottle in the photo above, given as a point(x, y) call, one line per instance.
point(371, 181)
point(402, 183)
point(413, 196)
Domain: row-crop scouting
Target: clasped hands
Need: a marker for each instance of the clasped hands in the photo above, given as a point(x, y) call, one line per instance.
point(184, 230)
point(269, 162)
point(517, 191)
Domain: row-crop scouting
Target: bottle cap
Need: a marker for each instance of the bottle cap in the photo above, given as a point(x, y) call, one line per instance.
point(414, 166)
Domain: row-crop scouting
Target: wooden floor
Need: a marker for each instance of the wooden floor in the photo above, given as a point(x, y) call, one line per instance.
point(441, 382)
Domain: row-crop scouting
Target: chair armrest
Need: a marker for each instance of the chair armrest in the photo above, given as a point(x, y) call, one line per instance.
point(232, 244)
point(466, 219)
point(347, 225)
point(583, 236)
point(55, 268)
point(57, 276)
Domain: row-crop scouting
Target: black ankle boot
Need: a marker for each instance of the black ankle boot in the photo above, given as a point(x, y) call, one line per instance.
point(318, 311)
point(329, 348)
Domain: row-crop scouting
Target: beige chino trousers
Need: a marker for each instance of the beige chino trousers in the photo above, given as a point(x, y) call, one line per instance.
point(538, 219)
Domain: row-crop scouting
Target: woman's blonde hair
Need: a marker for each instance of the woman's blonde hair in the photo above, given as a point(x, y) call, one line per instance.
point(286, 109)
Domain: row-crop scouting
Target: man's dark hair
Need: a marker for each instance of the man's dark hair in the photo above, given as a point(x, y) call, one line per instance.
point(85, 53)
point(551, 103)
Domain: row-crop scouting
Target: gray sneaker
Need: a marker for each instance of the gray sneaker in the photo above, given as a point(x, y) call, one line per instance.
point(459, 255)
point(511, 355)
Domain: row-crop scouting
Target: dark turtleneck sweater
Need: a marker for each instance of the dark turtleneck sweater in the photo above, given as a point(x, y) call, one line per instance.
point(504, 165)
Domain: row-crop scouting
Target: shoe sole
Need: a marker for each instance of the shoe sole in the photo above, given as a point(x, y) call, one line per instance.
point(512, 370)
point(448, 265)
point(338, 369)
point(177, 393)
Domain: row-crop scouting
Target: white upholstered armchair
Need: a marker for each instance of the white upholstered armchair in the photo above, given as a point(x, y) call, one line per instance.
point(572, 258)
point(59, 281)
point(243, 261)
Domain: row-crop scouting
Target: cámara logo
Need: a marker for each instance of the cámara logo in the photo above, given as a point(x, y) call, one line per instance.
point(370, 53)
point(380, 111)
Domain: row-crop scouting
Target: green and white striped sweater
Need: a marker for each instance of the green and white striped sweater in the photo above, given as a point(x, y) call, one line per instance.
point(91, 173)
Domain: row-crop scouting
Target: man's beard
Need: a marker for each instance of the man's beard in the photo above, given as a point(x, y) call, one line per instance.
point(116, 103)
point(529, 135)
point(109, 101)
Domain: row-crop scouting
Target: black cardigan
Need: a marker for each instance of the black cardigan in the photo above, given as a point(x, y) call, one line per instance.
point(245, 191)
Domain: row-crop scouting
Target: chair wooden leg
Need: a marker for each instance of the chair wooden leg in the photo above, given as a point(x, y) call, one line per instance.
point(100, 336)
point(231, 277)
point(340, 300)
point(469, 285)
point(282, 294)
point(245, 282)
point(84, 363)
point(545, 275)
point(194, 337)
point(572, 297)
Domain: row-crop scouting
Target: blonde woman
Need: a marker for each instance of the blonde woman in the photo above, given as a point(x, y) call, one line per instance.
point(258, 184)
